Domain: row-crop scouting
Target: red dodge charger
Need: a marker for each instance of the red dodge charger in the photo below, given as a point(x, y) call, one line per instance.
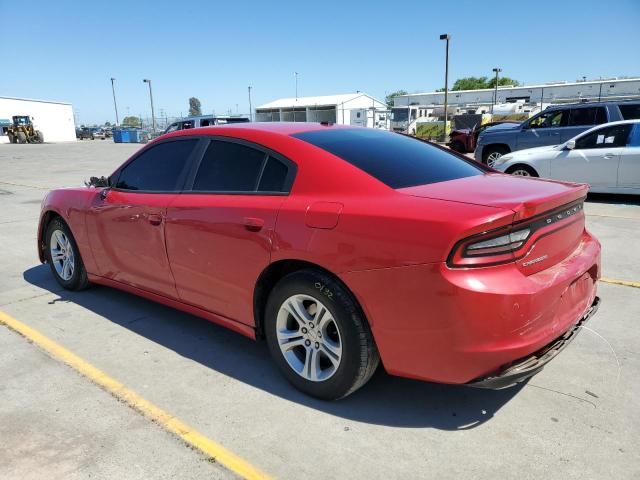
point(342, 247)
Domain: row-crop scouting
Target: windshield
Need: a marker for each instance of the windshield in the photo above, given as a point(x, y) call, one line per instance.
point(399, 114)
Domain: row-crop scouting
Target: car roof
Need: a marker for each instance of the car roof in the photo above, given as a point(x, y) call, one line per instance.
point(280, 128)
point(591, 104)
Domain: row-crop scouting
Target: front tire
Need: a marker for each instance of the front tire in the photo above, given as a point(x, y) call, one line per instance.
point(63, 256)
point(21, 137)
point(522, 171)
point(491, 153)
point(318, 336)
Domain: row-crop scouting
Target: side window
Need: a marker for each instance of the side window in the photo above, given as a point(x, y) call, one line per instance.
point(229, 167)
point(173, 127)
point(630, 112)
point(158, 169)
point(608, 137)
point(587, 116)
point(187, 124)
point(634, 138)
point(549, 119)
point(274, 176)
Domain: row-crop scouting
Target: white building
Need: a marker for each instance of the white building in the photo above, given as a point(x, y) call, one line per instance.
point(347, 109)
point(53, 119)
point(553, 92)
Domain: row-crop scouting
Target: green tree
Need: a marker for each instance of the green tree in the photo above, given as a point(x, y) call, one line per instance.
point(107, 124)
point(389, 98)
point(195, 107)
point(470, 83)
point(131, 121)
point(502, 82)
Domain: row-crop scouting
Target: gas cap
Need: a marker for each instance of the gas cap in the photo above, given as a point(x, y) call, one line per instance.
point(323, 215)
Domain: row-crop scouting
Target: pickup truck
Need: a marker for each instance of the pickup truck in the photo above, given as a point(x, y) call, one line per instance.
point(552, 126)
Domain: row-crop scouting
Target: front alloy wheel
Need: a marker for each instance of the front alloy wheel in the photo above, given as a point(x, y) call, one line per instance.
point(62, 255)
point(492, 157)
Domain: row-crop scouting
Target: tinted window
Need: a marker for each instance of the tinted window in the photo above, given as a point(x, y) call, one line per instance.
point(159, 168)
point(229, 167)
point(630, 112)
point(394, 159)
point(634, 139)
point(587, 116)
point(274, 176)
point(615, 136)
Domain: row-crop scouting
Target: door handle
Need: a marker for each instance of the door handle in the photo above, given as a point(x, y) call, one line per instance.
point(609, 155)
point(253, 224)
point(155, 219)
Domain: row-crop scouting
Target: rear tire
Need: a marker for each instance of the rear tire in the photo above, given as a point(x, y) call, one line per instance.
point(493, 152)
point(21, 137)
point(458, 147)
point(39, 137)
point(63, 256)
point(326, 349)
point(522, 171)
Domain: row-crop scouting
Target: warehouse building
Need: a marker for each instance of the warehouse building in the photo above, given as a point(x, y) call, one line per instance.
point(357, 109)
point(53, 119)
point(552, 92)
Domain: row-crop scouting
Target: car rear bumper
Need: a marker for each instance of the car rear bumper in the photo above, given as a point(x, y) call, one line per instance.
point(457, 325)
point(527, 367)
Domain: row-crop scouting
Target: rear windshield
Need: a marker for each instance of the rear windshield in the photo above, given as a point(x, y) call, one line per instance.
point(396, 160)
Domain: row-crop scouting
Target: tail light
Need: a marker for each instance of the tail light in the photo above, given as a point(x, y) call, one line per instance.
point(508, 244)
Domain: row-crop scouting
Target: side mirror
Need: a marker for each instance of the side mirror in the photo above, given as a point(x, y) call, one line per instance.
point(570, 145)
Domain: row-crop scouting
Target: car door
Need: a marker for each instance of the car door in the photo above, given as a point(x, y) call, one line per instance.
point(220, 233)
point(595, 158)
point(543, 129)
point(629, 170)
point(125, 223)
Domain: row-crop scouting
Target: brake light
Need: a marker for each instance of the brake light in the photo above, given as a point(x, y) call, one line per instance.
point(508, 244)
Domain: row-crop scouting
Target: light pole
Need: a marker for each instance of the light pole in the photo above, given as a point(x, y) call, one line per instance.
point(153, 116)
point(296, 73)
point(495, 92)
point(447, 37)
point(115, 105)
point(250, 108)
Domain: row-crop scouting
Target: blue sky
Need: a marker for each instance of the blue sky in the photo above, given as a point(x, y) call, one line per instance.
point(67, 51)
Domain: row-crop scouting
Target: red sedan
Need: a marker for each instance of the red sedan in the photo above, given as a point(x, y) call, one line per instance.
point(342, 247)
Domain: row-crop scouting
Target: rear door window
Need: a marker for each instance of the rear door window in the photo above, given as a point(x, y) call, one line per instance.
point(396, 160)
point(160, 168)
point(587, 116)
point(630, 112)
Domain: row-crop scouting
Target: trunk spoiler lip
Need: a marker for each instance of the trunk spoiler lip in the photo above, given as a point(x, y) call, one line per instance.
point(532, 209)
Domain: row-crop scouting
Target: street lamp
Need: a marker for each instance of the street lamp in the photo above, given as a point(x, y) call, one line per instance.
point(495, 92)
point(447, 37)
point(250, 108)
point(153, 116)
point(115, 105)
point(296, 73)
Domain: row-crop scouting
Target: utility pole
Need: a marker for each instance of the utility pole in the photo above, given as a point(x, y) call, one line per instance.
point(250, 108)
point(115, 105)
point(447, 37)
point(153, 116)
point(296, 73)
point(495, 92)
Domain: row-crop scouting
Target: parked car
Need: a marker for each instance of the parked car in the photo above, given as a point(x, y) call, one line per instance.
point(90, 133)
point(463, 140)
point(204, 121)
point(553, 126)
point(607, 157)
point(342, 247)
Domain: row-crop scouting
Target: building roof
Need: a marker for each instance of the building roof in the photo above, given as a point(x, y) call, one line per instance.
point(529, 87)
point(315, 101)
point(34, 100)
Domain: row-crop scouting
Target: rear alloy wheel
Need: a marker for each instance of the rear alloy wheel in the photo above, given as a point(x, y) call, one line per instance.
point(318, 336)
point(522, 171)
point(491, 154)
point(63, 256)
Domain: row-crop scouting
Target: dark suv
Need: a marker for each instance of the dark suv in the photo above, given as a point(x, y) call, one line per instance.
point(552, 126)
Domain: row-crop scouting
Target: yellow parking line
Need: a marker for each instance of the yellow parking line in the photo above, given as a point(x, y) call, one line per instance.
point(626, 283)
point(190, 436)
point(26, 186)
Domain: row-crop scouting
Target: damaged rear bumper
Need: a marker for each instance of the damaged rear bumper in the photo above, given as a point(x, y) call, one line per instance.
point(524, 368)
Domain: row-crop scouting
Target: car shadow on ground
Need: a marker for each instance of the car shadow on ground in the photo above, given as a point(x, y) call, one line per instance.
point(617, 199)
point(385, 400)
